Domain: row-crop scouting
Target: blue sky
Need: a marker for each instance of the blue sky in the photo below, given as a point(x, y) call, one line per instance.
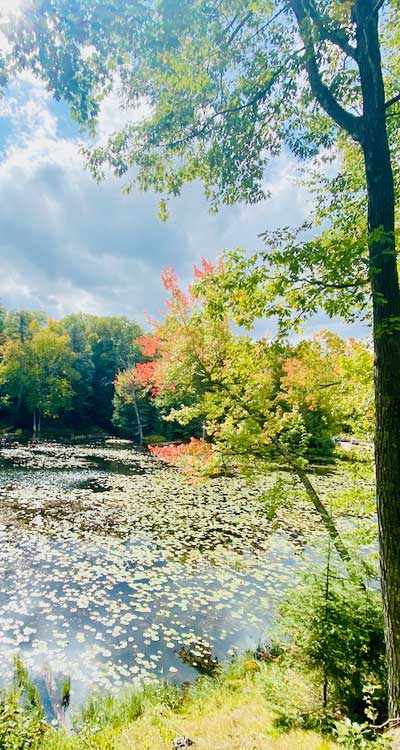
point(68, 244)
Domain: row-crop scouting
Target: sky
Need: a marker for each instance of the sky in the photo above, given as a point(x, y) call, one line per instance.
point(68, 244)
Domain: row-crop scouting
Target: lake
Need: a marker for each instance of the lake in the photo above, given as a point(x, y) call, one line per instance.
point(115, 566)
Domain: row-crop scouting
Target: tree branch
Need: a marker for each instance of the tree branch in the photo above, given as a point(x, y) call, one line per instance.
point(197, 131)
point(392, 101)
point(321, 510)
point(358, 283)
point(268, 23)
point(336, 35)
point(299, 471)
point(346, 120)
point(229, 25)
point(239, 27)
point(377, 7)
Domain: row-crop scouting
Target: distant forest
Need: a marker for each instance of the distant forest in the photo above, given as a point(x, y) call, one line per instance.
point(59, 376)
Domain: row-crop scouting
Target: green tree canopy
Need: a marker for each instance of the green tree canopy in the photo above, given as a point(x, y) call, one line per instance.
point(40, 371)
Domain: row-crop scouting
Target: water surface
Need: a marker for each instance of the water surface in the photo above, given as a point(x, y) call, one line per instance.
point(112, 563)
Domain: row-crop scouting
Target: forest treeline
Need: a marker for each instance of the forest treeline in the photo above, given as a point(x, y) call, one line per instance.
point(60, 374)
point(86, 372)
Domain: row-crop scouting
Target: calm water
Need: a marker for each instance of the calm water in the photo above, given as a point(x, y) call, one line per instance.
point(112, 565)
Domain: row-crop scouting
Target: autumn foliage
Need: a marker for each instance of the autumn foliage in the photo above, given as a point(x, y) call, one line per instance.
point(245, 395)
point(178, 343)
point(187, 456)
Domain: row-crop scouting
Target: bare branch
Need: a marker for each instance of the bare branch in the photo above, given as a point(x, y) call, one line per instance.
point(388, 722)
point(268, 23)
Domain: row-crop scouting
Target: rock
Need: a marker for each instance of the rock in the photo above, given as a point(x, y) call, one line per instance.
point(181, 742)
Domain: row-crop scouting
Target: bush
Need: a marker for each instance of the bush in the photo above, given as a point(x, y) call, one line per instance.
point(336, 628)
point(21, 728)
point(353, 736)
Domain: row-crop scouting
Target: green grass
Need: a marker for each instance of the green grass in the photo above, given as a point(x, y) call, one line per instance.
point(249, 706)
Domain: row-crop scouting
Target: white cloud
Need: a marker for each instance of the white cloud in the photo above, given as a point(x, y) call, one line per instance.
point(67, 244)
point(10, 8)
point(11, 283)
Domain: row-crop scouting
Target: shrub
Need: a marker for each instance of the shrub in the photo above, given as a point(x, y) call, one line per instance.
point(195, 457)
point(21, 728)
point(336, 628)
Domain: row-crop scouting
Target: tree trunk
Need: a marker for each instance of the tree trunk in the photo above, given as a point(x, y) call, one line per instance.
point(386, 322)
point(386, 317)
point(370, 131)
point(386, 331)
point(19, 402)
point(323, 513)
point(34, 422)
point(138, 420)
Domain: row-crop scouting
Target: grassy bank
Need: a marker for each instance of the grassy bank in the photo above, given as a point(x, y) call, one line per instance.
point(249, 706)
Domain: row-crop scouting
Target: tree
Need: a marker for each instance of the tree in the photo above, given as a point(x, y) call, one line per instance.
point(130, 407)
point(112, 346)
point(3, 313)
point(332, 377)
point(249, 395)
point(226, 85)
point(17, 324)
point(82, 410)
point(39, 370)
point(100, 346)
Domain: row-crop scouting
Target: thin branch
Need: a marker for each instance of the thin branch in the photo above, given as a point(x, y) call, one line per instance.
point(239, 27)
point(392, 101)
point(321, 386)
point(229, 25)
point(376, 8)
point(260, 96)
point(388, 722)
point(331, 285)
point(268, 23)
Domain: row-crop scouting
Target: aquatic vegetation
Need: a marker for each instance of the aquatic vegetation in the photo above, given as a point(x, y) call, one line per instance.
point(199, 656)
point(114, 565)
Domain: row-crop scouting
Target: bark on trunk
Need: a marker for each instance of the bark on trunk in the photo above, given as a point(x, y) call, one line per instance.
point(138, 420)
point(323, 513)
point(386, 330)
